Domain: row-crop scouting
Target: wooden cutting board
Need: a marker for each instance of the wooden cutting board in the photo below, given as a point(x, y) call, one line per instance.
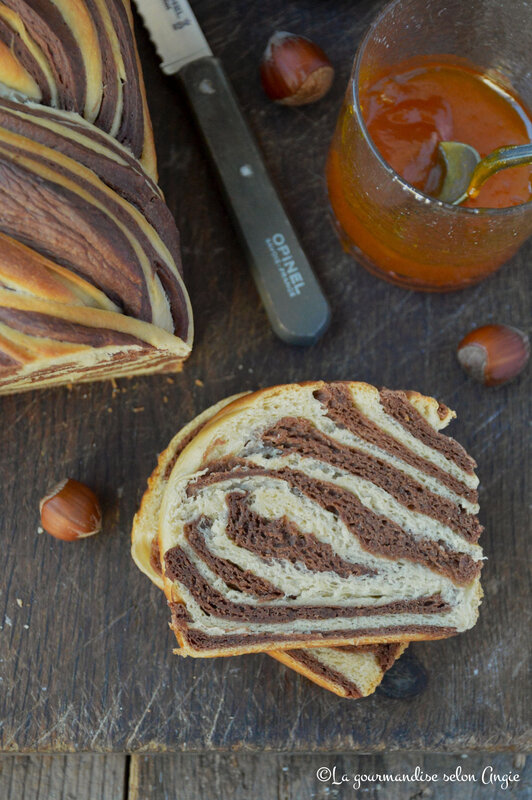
point(86, 653)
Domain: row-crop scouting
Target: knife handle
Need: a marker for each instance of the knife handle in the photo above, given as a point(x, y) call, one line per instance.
point(290, 292)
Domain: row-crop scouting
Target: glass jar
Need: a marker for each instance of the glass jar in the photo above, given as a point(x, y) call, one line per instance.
point(396, 231)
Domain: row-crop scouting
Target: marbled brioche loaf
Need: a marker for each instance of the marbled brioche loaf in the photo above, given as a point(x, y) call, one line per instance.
point(90, 272)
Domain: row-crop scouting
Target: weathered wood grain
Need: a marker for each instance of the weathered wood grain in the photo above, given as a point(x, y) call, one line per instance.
point(230, 776)
point(86, 655)
point(269, 776)
point(79, 777)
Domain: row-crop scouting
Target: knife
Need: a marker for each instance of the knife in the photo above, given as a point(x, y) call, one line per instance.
point(294, 302)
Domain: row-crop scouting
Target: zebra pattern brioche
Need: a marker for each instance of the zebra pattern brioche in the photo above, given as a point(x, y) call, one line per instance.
point(78, 55)
point(355, 671)
point(351, 672)
point(91, 282)
point(320, 514)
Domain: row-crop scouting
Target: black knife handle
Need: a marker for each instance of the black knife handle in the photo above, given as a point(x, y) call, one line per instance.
point(290, 292)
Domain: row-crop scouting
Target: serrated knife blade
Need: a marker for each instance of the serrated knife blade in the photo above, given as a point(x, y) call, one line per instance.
point(294, 302)
point(175, 32)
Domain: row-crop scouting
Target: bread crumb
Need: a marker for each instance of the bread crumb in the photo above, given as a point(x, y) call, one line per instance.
point(137, 409)
point(40, 530)
point(19, 602)
point(199, 382)
point(26, 627)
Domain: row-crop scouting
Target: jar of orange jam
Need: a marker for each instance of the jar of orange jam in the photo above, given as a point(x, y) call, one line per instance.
point(428, 72)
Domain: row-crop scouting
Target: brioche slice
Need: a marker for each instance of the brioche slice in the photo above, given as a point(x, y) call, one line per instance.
point(348, 671)
point(351, 672)
point(319, 514)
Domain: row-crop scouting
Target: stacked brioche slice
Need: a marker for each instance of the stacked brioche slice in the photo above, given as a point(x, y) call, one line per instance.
point(91, 283)
point(349, 671)
point(302, 519)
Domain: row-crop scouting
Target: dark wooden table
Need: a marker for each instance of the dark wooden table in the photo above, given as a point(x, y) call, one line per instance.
point(86, 653)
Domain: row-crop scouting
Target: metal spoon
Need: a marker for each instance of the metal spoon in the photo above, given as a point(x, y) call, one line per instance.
point(465, 171)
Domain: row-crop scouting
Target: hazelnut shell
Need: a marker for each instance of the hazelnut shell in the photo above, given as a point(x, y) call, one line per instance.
point(494, 354)
point(70, 511)
point(295, 70)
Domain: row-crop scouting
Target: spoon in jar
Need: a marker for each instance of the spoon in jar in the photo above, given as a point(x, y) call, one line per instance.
point(465, 171)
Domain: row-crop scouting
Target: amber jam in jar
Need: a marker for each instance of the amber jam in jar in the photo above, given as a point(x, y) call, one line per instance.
point(384, 171)
point(411, 110)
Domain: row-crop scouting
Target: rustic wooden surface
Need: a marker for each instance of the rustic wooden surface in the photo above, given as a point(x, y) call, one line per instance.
point(277, 777)
point(232, 776)
point(86, 661)
point(77, 777)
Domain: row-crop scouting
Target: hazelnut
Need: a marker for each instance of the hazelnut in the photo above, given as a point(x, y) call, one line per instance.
point(71, 511)
point(494, 354)
point(294, 70)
